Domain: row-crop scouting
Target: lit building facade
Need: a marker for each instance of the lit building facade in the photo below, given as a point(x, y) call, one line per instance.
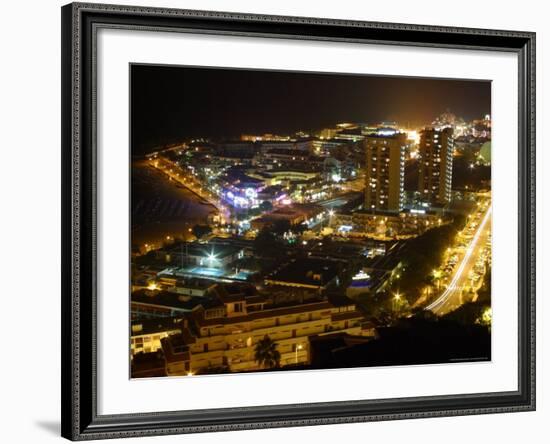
point(146, 335)
point(228, 337)
point(298, 146)
point(436, 165)
point(385, 170)
point(403, 225)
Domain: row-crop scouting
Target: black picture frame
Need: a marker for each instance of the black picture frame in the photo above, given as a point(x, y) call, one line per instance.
point(79, 390)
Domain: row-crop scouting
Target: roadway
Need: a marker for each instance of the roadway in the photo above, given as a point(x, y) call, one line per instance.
point(452, 295)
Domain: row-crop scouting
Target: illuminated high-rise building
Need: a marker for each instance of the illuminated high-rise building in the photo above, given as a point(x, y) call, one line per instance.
point(385, 170)
point(436, 165)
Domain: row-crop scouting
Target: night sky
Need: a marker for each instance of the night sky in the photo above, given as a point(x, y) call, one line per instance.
point(171, 103)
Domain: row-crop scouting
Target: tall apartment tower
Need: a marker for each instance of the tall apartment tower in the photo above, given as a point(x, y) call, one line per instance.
point(436, 165)
point(385, 170)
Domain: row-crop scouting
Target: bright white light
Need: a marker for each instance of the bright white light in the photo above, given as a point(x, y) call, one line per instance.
point(414, 136)
point(345, 228)
point(386, 132)
point(360, 276)
point(251, 192)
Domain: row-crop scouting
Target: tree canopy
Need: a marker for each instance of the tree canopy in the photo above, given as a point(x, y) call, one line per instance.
point(266, 353)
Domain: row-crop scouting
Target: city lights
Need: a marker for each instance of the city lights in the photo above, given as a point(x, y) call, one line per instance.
point(486, 316)
point(459, 273)
point(211, 257)
point(258, 249)
point(152, 286)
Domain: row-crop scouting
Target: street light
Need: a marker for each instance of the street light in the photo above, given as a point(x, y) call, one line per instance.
point(211, 257)
point(298, 347)
point(395, 301)
point(152, 286)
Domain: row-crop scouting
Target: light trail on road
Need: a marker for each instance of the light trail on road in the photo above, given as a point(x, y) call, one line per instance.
point(451, 287)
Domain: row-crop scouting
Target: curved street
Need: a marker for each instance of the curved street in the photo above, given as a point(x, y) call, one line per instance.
point(453, 294)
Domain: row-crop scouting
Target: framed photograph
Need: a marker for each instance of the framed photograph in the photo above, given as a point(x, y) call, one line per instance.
point(281, 221)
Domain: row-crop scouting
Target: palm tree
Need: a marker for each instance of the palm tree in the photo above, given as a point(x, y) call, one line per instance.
point(266, 353)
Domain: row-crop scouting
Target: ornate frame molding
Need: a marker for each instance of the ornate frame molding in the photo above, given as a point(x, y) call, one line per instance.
point(80, 22)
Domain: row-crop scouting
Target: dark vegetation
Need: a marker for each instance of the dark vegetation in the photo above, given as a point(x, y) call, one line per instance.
point(421, 256)
point(201, 230)
point(420, 339)
point(473, 178)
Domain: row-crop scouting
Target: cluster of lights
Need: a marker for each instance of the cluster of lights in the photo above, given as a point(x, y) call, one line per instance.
point(361, 275)
point(452, 285)
point(246, 199)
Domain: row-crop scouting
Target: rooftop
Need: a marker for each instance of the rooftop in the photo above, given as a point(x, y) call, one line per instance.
point(266, 313)
point(220, 250)
point(149, 326)
point(288, 152)
point(185, 282)
point(166, 299)
point(235, 292)
point(307, 271)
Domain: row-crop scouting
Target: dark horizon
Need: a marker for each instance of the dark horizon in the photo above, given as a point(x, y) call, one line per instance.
point(170, 103)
